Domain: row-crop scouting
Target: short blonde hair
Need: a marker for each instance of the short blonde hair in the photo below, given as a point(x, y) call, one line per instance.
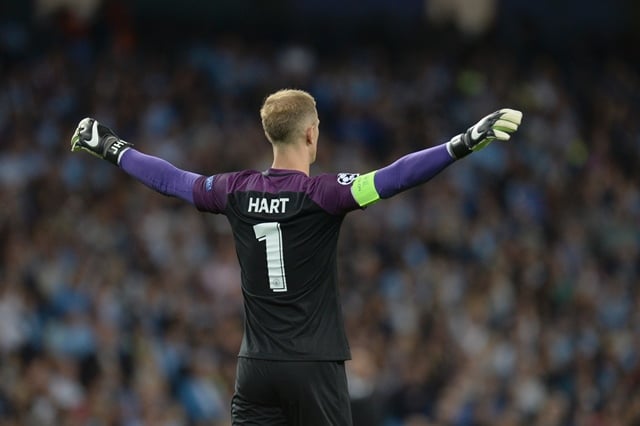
point(284, 112)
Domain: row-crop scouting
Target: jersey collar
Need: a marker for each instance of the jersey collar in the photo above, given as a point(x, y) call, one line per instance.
point(282, 172)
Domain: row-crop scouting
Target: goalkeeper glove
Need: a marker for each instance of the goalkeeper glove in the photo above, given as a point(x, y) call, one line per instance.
point(497, 125)
point(98, 140)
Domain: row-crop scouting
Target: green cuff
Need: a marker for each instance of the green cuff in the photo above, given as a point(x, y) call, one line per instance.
point(364, 190)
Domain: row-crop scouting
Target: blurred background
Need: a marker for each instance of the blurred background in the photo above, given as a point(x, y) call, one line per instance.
point(503, 292)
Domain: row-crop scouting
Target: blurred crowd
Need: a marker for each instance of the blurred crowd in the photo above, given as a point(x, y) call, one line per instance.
point(502, 292)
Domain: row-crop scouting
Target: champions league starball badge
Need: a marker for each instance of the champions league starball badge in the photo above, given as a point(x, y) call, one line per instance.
point(347, 178)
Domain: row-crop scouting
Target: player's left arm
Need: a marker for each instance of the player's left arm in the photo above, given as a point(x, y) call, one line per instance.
point(154, 172)
point(418, 167)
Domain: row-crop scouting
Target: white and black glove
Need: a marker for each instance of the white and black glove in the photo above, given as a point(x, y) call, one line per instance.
point(498, 125)
point(98, 140)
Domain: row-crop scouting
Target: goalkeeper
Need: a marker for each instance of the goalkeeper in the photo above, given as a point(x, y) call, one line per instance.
point(285, 224)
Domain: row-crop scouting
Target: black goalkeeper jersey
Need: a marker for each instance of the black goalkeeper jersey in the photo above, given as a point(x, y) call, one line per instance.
point(286, 227)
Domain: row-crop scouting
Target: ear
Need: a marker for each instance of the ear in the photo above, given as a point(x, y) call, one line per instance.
point(309, 135)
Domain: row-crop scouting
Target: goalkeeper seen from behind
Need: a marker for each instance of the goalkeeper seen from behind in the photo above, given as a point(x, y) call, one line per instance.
point(285, 224)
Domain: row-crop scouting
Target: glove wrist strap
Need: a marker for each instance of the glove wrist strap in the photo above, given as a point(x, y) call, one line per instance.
point(114, 150)
point(457, 148)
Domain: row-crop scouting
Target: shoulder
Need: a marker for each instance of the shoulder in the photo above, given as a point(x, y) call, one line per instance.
point(234, 181)
point(332, 191)
point(342, 179)
point(210, 192)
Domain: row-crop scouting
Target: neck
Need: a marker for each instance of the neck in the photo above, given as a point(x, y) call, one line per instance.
point(290, 158)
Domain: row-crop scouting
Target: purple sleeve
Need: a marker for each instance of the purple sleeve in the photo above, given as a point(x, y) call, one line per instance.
point(210, 192)
point(159, 174)
point(411, 170)
point(332, 192)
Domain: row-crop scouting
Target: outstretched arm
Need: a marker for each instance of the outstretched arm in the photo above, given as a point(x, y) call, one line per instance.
point(411, 170)
point(159, 174)
point(419, 167)
point(154, 172)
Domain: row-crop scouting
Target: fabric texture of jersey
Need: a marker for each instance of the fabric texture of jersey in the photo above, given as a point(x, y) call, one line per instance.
point(285, 225)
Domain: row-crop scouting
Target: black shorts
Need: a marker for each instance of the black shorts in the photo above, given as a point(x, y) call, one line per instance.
point(290, 393)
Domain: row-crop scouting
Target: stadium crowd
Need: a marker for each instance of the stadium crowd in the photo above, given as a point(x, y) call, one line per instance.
point(503, 292)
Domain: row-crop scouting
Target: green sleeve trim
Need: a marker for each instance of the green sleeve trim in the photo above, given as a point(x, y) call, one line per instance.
point(364, 189)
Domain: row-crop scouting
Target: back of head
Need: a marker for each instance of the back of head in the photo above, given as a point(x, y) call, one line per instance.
point(285, 115)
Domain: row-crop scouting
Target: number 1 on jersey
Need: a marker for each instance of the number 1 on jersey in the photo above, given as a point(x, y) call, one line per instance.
point(271, 233)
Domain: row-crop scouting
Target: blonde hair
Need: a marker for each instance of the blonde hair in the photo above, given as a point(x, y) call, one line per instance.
point(284, 112)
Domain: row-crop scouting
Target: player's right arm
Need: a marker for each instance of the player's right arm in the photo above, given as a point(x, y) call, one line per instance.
point(156, 173)
point(419, 167)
